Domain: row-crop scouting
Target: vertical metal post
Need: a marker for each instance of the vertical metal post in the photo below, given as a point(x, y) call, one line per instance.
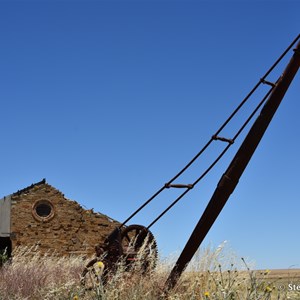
point(230, 178)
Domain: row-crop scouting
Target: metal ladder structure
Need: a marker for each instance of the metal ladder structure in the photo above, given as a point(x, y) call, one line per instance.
point(231, 177)
point(265, 110)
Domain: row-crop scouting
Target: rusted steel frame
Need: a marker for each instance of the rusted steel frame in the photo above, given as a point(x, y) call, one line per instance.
point(230, 178)
point(214, 162)
point(261, 81)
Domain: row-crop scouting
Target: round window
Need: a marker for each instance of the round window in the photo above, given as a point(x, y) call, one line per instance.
point(43, 210)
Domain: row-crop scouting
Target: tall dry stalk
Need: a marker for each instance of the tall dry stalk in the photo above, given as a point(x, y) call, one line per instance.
point(214, 274)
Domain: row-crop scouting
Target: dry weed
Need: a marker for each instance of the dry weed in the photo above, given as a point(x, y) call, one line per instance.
point(213, 274)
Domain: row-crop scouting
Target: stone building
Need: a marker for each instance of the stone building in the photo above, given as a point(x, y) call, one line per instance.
point(40, 217)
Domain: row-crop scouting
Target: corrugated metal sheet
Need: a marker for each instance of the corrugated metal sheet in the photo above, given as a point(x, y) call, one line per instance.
point(5, 207)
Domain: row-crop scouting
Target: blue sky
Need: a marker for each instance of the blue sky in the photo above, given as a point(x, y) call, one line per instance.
point(108, 100)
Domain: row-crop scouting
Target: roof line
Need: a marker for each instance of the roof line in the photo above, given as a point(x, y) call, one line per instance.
point(30, 187)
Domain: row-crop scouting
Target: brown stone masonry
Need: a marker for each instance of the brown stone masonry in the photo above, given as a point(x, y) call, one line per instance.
point(41, 216)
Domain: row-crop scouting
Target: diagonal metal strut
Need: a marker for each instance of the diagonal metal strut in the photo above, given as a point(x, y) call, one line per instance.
point(231, 177)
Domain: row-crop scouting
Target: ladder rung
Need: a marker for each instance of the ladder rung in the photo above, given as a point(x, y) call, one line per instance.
point(267, 82)
point(215, 137)
point(179, 186)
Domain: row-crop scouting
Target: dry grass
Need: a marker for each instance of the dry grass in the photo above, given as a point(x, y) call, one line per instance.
point(213, 274)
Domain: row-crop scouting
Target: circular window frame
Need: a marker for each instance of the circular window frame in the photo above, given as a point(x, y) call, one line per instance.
point(41, 218)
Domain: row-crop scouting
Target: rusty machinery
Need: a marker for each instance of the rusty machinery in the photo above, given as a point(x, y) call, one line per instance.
point(126, 241)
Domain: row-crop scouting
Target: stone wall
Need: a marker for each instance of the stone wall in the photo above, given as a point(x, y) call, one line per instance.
point(42, 217)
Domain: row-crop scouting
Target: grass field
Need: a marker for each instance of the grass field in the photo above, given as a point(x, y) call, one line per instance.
point(213, 274)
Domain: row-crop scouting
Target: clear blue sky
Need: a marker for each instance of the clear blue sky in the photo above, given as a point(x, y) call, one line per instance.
point(107, 100)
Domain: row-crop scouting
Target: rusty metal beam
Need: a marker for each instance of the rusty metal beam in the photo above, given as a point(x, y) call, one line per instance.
point(231, 177)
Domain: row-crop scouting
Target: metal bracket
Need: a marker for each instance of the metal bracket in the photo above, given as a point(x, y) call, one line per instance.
point(179, 186)
point(215, 137)
point(267, 82)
